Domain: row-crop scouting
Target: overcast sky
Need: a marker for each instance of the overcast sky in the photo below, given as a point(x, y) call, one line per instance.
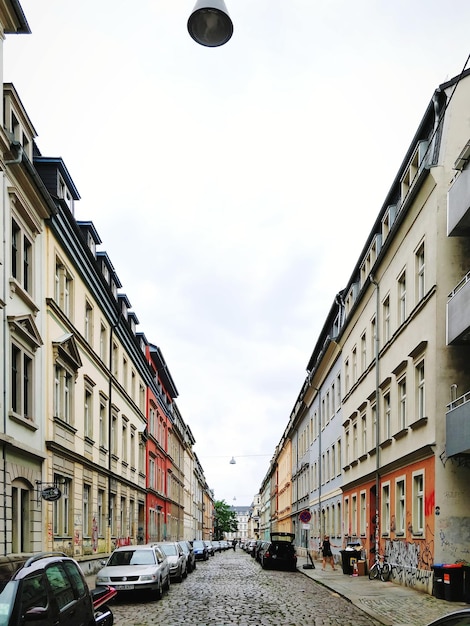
point(233, 188)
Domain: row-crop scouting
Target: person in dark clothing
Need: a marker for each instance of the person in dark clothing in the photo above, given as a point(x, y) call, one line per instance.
point(327, 553)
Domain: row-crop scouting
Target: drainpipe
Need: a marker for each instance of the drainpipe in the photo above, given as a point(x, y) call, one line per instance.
point(377, 418)
point(110, 418)
point(4, 331)
point(319, 462)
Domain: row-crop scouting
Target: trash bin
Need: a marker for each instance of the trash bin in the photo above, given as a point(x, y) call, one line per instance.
point(453, 582)
point(438, 581)
point(466, 583)
point(349, 557)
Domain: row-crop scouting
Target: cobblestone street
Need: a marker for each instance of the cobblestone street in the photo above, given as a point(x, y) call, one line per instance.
point(231, 588)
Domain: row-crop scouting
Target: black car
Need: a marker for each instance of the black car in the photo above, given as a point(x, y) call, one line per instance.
point(49, 588)
point(279, 553)
point(190, 557)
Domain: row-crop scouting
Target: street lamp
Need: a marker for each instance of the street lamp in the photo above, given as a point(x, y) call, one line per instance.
point(209, 24)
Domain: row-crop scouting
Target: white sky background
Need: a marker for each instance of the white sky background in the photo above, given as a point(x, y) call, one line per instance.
point(233, 188)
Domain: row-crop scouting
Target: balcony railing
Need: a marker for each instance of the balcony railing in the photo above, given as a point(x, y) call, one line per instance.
point(458, 313)
point(458, 426)
point(458, 205)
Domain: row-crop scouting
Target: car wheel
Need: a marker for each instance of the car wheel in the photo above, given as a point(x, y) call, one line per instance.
point(179, 578)
point(167, 583)
point(159, 590)
point(185, 573)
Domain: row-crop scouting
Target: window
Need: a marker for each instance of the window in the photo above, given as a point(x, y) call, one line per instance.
point(63, 394)
point(355, 442)
point(103, 422)
point(101, 514)
point(103, 342)
point(402, 298)
point(363, 352)
point(386, 319)
point(346, 375)
point(373, 410)
point(347, 524)
point(88, 412)
point(125, 442)
point(418, 503)
point(354, 516)
point(132, 457)
point(114, 356)
point(363, 513)
point(63, 288)
point(354, 365)
point(62, 511)
point(386, 509)
point(21, 500)
point(21, 382)
point(387, 416)
point(420, 395)
point(88, 322)
point(21, 257)
point(400, 507)
point(86, 510)
point(373, 336)
point(114, 435)
point(402, 417)
point(364, 433)
point(420, 273)
point(124, 372)
point(152, 474)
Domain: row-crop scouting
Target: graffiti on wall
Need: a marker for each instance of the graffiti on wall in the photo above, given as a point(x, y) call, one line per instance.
point(411, 561)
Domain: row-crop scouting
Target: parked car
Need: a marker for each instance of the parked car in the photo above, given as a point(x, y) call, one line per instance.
point(200, 550)
point(210, 547)
point(456, 618)
point(49, 588)
point(216, 545)
point(190, 557)
point(259, 545)
point(176, 559)
point(279, 553)
point(133, 568)
point(250, 546)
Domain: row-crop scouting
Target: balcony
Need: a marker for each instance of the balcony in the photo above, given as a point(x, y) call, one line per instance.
point(458, 206)
point(458, 427)
point(458, 313)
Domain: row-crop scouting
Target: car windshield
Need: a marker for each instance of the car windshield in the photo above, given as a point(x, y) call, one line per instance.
point(132, 557)
point(169, 549)
point(198, 544)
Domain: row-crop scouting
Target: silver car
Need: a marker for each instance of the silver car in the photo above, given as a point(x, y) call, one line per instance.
point(176, 559)
point(130, 568)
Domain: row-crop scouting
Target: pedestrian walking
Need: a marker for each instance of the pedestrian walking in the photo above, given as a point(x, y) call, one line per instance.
point(327, 553)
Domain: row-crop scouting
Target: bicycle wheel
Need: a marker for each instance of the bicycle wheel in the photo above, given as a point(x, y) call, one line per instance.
point(386, 571)
point(373, 572)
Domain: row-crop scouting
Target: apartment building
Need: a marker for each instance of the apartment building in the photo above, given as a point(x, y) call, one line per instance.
point(93, 447)
point(379, 430)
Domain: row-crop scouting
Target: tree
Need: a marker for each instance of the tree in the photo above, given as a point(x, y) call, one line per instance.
point(225, 519)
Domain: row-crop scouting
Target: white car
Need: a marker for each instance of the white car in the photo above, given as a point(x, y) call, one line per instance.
point(130, 568)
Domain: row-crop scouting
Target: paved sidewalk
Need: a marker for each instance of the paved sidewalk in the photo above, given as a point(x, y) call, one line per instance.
point(388, 603)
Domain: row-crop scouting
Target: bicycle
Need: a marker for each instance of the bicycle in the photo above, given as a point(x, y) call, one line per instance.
point(380, 569)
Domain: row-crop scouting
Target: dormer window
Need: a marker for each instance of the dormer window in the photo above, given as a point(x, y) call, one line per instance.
point(64, 194)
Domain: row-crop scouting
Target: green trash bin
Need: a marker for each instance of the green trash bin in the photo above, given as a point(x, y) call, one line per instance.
point(453, 582)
